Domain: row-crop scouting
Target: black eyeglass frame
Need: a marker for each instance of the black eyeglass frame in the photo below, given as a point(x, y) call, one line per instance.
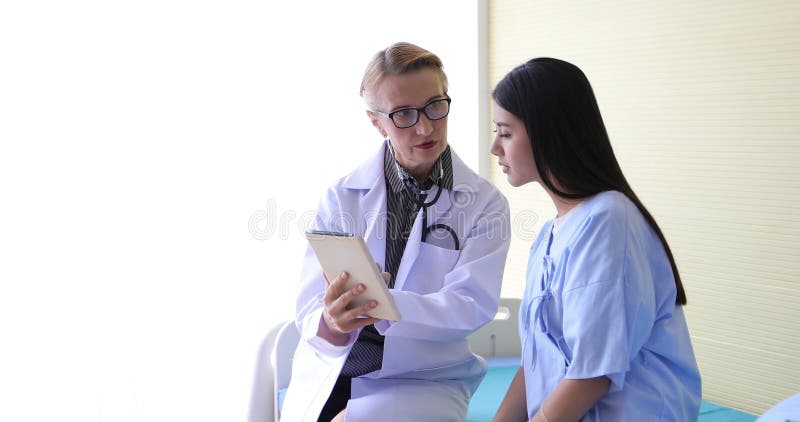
point(420, 110)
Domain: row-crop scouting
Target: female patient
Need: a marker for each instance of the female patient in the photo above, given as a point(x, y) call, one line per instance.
point(602, 324)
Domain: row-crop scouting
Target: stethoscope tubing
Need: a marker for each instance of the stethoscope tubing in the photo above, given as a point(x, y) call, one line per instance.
point(425, 205)
point(426, 228)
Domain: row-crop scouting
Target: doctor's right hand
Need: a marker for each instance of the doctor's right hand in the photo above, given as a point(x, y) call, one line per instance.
point(340, 319)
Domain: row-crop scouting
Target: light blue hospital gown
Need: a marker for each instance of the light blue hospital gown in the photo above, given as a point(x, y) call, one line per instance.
point(600, 300)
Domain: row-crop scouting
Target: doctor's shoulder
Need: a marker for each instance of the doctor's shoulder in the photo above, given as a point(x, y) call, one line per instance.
point(486, 205)
point(354, 182)
point(333, 205)
point(491, 194)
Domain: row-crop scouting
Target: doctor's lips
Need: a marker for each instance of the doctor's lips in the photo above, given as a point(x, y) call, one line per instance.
point(426, 145)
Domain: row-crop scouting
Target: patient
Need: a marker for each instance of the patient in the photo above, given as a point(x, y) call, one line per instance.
point(602, 326)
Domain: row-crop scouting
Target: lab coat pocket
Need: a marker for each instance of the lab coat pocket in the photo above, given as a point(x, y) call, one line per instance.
point(428, 272)
point(443, 236)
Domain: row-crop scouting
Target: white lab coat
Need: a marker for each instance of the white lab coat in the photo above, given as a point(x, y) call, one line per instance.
point(443, 295)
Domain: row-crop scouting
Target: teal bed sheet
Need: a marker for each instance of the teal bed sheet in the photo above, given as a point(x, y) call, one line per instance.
point(486, 400)
point(490, 393)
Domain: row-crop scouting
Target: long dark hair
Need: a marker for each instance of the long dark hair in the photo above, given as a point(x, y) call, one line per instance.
point(568, 138)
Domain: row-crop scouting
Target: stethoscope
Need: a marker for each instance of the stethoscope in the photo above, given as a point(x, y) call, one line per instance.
point(420, 202)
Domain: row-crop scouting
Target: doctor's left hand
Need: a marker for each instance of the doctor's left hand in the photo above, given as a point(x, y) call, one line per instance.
point(339, 318)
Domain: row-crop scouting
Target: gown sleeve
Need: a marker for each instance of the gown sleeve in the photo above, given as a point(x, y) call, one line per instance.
point(603, 310)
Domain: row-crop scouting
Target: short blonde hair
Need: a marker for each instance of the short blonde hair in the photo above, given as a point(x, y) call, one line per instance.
point(398, 59)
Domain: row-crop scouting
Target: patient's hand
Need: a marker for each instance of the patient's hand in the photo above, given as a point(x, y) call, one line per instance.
point(339, 319)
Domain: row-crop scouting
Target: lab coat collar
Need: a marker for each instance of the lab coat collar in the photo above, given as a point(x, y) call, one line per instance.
point(370, 173)
point(370, 176)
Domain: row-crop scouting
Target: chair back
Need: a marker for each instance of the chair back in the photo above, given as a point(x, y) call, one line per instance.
point(282, 354)
point(500, 336)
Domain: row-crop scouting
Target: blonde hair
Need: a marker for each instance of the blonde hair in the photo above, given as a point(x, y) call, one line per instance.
point(398, 59)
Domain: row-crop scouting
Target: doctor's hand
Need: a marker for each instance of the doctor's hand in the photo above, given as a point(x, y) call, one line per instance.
point(340, 318)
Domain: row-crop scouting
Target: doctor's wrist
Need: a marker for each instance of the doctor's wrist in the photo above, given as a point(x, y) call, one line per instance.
point(333, 337)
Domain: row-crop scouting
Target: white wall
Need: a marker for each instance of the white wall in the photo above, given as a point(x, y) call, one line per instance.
point(700, 100)
point(138, 142)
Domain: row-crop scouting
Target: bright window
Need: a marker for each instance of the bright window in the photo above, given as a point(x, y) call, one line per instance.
point(139, 139)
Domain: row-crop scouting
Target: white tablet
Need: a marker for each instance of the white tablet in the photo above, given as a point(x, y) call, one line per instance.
point(338, 252)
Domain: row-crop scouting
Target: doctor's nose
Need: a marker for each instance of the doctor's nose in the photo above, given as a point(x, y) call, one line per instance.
point(424, 125)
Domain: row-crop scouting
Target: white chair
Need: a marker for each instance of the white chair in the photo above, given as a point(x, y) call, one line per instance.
point(261, 399)
point(273, 371)
point(281, 360)
point(499, 337)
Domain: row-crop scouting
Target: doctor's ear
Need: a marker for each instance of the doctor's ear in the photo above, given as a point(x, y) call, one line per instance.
point(375, 120)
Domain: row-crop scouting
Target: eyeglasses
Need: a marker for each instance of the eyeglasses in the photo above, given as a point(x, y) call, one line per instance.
point(407, 117)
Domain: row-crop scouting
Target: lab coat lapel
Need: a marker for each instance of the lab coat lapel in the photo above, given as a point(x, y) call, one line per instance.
point(464, 183)
point(374, 201)
point(369, 177)
point(410, 253)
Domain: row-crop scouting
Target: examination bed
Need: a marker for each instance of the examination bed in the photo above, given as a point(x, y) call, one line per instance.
point(497, 342)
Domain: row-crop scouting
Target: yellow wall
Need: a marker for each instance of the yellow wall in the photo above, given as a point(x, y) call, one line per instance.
point(701, 100)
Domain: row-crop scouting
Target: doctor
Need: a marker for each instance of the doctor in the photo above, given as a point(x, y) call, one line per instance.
point(439, 230)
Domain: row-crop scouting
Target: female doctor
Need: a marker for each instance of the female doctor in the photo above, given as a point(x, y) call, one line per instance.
point(439, 230)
